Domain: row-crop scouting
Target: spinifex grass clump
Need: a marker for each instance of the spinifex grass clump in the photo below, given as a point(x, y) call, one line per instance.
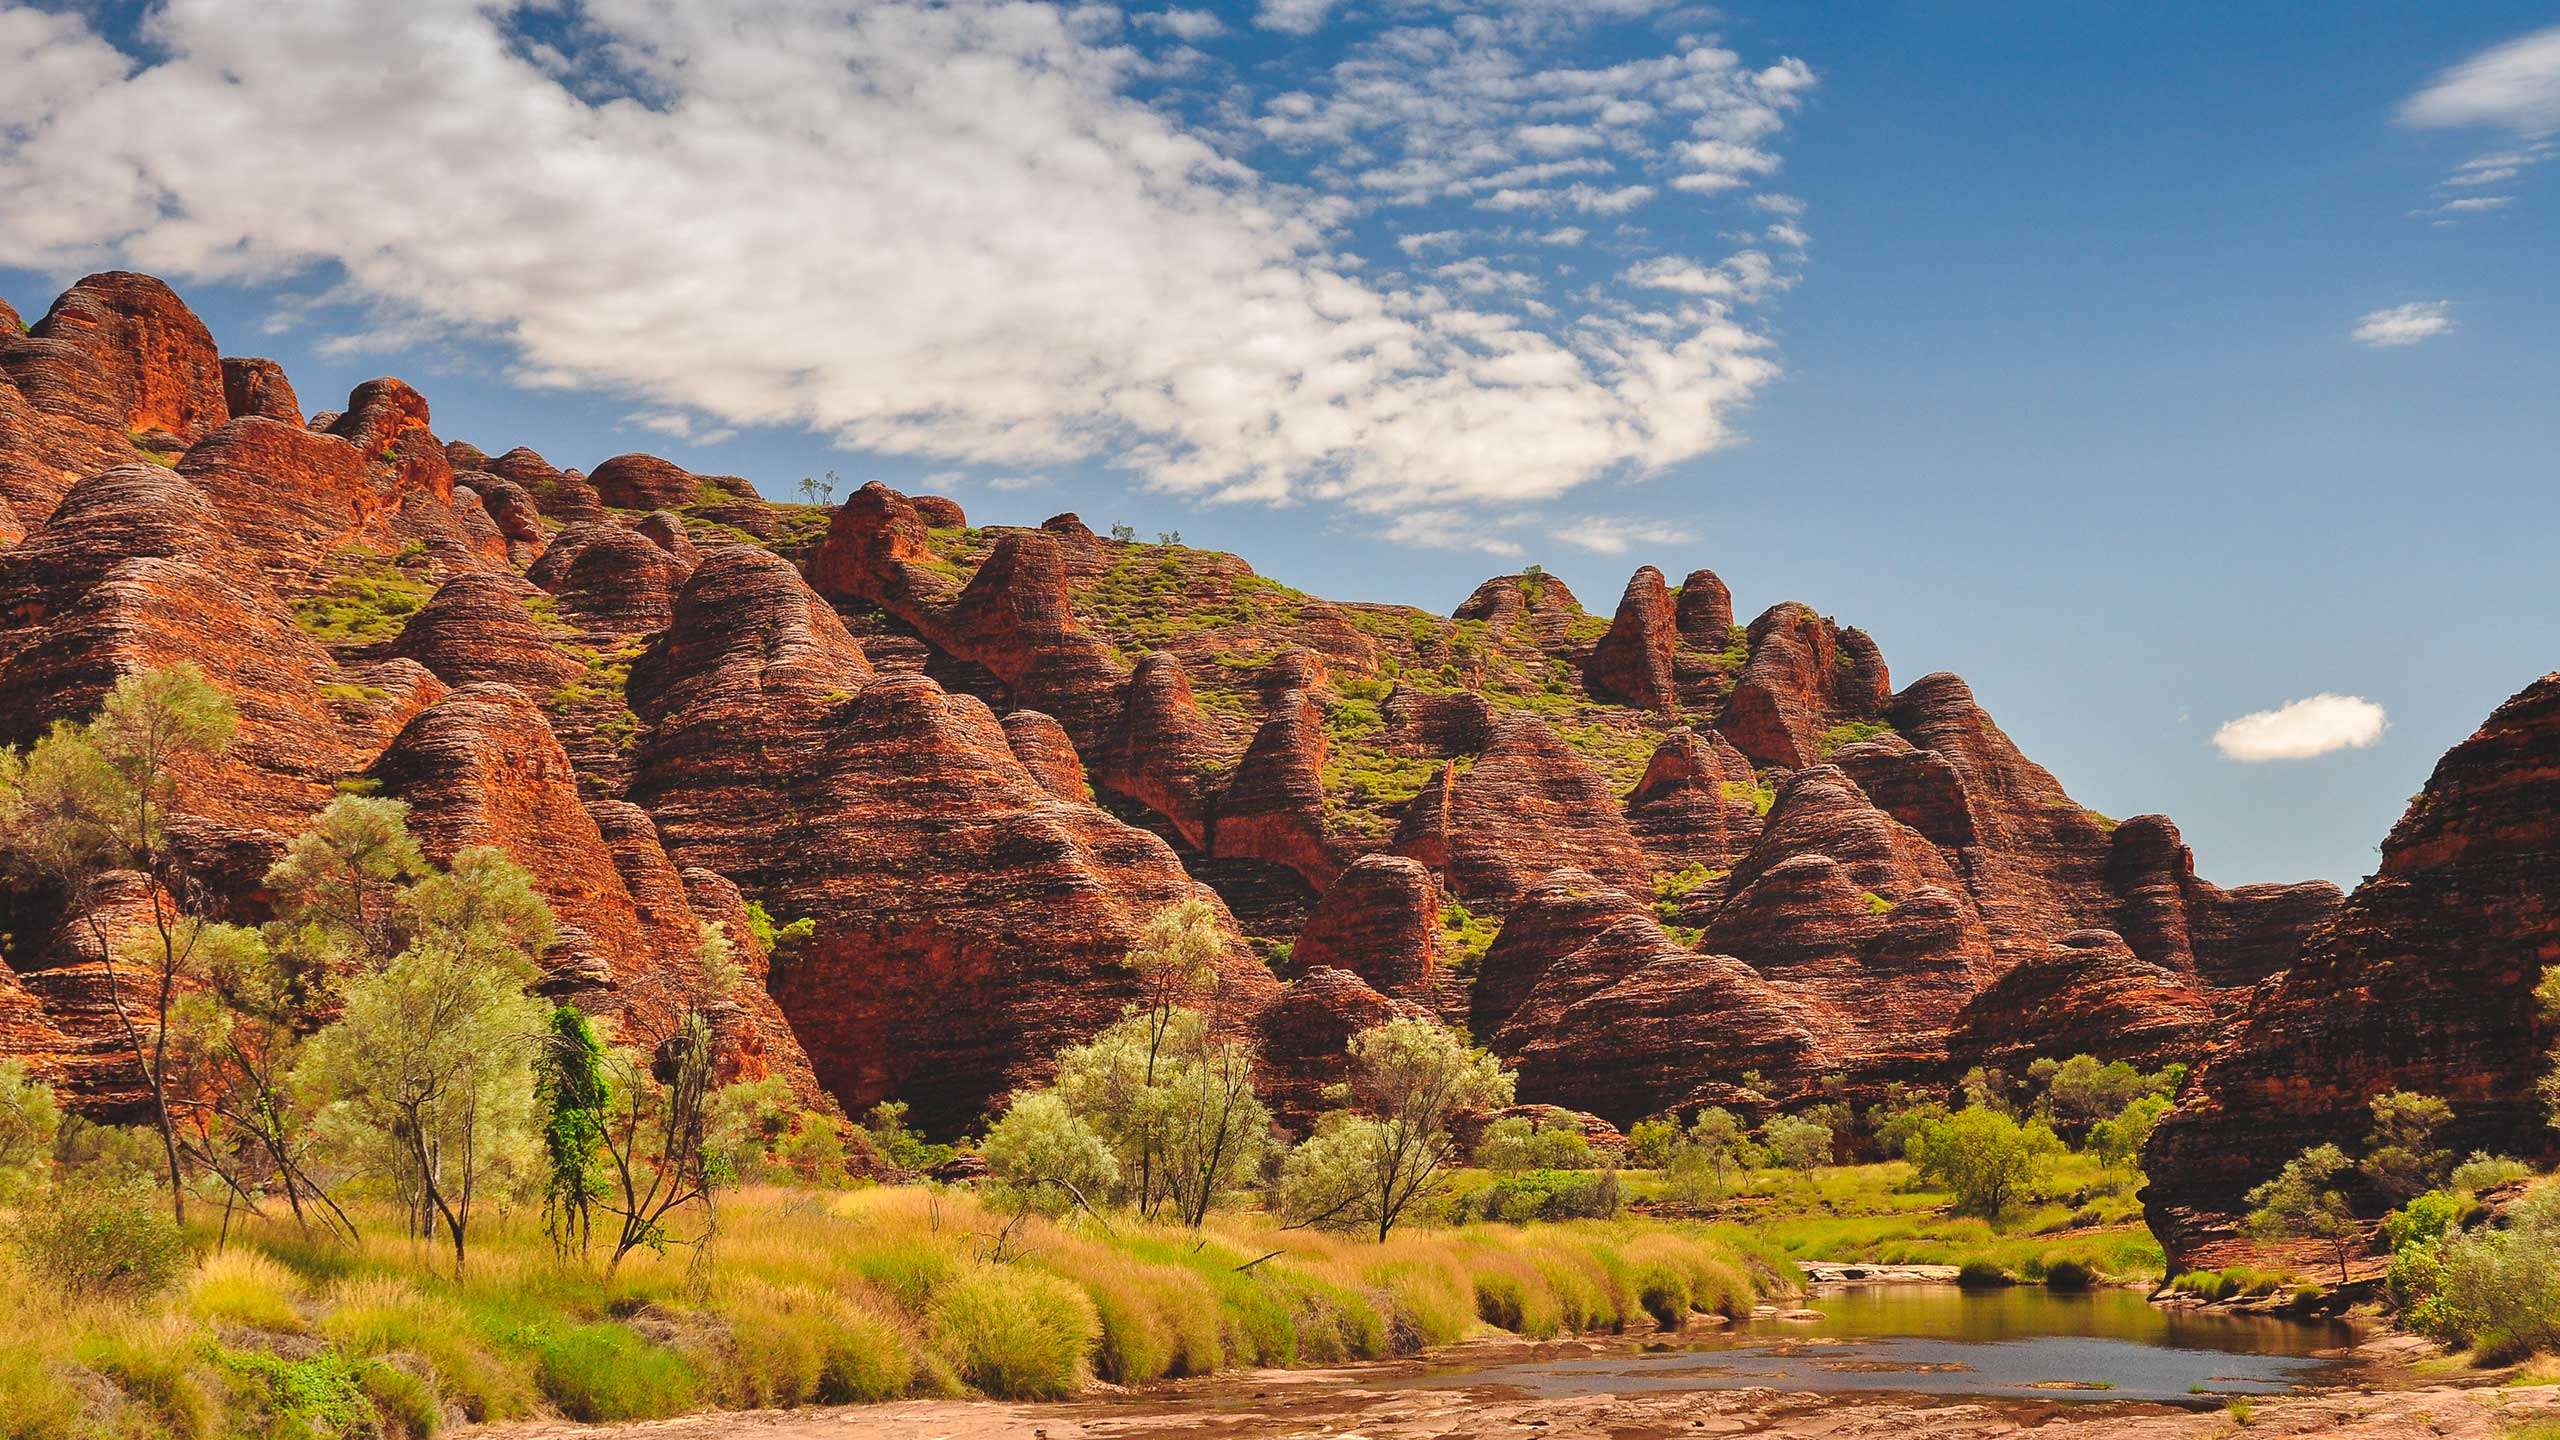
point(808, 1298)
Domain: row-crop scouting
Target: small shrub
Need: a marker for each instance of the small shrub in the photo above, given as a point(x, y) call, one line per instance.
point(1014, 1333)
point(117, 1243)
point(244, 1287)
point(150, 1363)
point(1981, 1275)
point(320, 1398)
point(2484, 1171)
point(2067, 1275)
point(607, 1371)
point(408, 1405)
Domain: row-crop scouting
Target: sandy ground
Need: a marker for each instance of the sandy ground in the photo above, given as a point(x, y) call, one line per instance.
point(1365, 1403)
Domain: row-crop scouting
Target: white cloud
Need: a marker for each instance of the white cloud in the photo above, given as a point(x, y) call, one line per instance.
point(1182, 24)
point(1608, 535)
point(2405, 324)
point(2302, 729)
point(1295, 17)
point(1558, 139)
point(2515, 86)
point(1564, 235)
point(815, 216)
point(1428, 240)
point(1449, 529)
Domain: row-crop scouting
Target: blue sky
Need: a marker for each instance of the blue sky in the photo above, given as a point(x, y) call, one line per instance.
point(2025, 340)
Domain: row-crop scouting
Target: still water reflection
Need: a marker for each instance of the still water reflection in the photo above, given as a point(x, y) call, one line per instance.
point(2027, 1342)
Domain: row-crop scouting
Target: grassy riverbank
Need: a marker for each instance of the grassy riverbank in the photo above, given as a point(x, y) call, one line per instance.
point(806, 1298)
point(2086, 1215)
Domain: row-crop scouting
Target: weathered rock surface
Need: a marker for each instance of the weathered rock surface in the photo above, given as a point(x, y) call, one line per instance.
point(1527, 807)
point(1805, 676)
point(2424, 982)
point(1633, 661)
point(1381, 922)
point(955, 898)
point(259, 387)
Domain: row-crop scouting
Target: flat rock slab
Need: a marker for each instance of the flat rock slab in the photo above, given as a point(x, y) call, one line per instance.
point(1826, 1272)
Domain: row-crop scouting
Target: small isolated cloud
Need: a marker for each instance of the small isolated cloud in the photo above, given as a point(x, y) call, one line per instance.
point(2515, 85)
point(1611, 535)
point(1293, 17)
point(680, 426)
point(1181, 24)
point(1017, 484)
point(2302, 729)
point(2405, 324)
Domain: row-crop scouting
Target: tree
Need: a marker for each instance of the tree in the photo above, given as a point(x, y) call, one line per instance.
point(1988, 1159)
point(1987, 1087)
point(1795, 1142)
point(92, 800)
point(2119, 1140)
point(429, 1066)
point(1898, 1118)
point(570, 1087)
point(1172, 1098)
point(673, 1136)
point(2081, 1092)
point(343, 877)
point(2401, 1156)
point(1409, 1078)
point(1044, 1160)
point(239, 1038)
point(1705, 1161)
point(1651, 1142)
point(2304, 1201)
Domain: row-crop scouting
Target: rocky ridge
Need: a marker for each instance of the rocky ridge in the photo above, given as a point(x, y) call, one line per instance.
point(1718, 861)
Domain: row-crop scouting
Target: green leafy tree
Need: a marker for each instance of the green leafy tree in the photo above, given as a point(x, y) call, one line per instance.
point(342, 878)
point(1988, 1087)
point(238, 1037)
point(428, 1069)
point(1795, 1142)
point(2306, 1201)
point(91, 803)
point(1042, 1159)
point(1368, 1164)
point(572, 1092)
point(1716, 1148)
point(1900, 1117)
point(2403, 1155)
point(2080, 1092)
point(1651, 1142)
point(1986, 1158)
point(2118, 1140)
